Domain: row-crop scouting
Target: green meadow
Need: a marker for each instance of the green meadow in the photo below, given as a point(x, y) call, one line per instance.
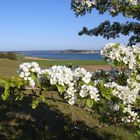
point(73, 62)
point(55, 120)
point(9, 67)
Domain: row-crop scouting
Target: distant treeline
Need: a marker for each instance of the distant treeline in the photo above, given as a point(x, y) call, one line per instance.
point(8, 55)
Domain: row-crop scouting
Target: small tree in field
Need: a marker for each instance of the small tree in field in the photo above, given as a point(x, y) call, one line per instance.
point(128, 8)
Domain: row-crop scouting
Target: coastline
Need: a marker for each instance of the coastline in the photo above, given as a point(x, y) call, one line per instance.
point(60, 56)
point(37, 58)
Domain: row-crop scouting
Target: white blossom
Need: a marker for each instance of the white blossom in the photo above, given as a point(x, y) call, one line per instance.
point(126, 94)
point(121, 54)
point(89, 90)
point(27, 70)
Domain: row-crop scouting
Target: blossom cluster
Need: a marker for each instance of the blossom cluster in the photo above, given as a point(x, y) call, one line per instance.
point(134, 2)
point(62, 76)
point(127, 58)
point(124, 93)
point(88, 90)
point(131, 116)
point(71, 81)
point(128, 96)
point(80, 7)
point(120, 55)
point(27, 71)
point(81, 73)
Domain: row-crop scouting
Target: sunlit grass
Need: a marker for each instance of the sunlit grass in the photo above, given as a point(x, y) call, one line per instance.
point(9, 67)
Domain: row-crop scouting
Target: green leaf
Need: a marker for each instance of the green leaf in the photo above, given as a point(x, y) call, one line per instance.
point(89, 102)
point(43, 97)
point(19, 96)
point(5, 95)
point(105, 92)
point(60, 88)
point(35, 103)
point(91, 83)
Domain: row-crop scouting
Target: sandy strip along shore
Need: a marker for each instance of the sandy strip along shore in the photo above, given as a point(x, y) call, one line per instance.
point(36, 58)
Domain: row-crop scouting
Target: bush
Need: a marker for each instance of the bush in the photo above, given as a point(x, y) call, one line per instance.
point(9, 55)
point(2, 55)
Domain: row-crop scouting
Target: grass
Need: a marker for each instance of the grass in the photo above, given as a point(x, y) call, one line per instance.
point(8, 67)
point(73, 62)
point(55, 120)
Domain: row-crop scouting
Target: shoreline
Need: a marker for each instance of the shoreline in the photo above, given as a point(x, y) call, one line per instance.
point(37, 58)
point(51, 59)
point(61, 57)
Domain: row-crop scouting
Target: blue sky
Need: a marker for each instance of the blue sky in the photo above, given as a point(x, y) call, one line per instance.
point(48, 25)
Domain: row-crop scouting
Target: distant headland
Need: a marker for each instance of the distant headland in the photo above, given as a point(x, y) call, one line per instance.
point(80, 51)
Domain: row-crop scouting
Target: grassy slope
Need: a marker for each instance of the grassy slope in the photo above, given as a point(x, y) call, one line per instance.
point(8, 67)
point(57, 120)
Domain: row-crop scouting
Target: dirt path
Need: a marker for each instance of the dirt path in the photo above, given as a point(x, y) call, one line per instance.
point(97, 67)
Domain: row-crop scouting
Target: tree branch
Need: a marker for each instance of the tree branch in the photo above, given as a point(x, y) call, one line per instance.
point(108, 30)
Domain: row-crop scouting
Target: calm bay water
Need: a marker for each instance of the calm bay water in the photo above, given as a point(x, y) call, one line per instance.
point(66, 56)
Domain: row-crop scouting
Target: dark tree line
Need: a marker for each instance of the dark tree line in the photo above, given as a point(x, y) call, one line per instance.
point(8, 55)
